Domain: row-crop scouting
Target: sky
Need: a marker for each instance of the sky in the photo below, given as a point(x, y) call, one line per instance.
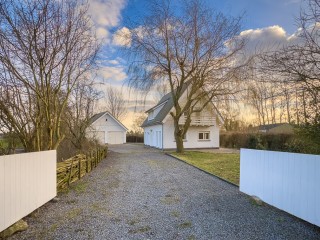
point(265, 23)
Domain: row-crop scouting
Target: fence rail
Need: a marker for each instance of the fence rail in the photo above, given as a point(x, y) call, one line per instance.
point(76, 167)
point(288, 181)
point(27, 181)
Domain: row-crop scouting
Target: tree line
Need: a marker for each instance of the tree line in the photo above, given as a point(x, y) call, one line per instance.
point(47, 54)
point(200, 49)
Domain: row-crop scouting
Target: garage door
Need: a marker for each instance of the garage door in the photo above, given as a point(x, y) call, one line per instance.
point(115, 137)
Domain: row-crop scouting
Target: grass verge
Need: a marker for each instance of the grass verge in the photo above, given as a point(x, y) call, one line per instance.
point(224, 165)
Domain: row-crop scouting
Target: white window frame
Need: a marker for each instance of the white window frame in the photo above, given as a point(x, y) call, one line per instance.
point(204, 133)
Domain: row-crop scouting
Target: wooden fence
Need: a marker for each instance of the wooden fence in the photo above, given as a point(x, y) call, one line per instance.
point(288, 181)
point(27, 181)
point(76, 167)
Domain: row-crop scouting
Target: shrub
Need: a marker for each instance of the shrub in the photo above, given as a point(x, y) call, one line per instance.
point(67, 150)
point(276, 142)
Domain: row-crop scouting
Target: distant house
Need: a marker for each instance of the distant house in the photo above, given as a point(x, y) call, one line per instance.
point(106, 129)
point(159, 127)
point(277, 128)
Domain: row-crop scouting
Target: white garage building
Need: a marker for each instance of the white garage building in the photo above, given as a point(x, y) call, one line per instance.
point(106, 129)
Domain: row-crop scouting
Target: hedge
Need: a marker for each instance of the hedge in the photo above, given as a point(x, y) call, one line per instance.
point(275, 142)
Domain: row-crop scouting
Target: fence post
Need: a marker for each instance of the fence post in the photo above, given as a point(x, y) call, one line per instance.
point(87, 164)
point(91, 160)
point(70, 174)
point(97, 156)
point(79, 168)
point(96, 159)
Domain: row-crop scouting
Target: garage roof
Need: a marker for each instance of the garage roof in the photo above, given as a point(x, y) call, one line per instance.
point(97, 116)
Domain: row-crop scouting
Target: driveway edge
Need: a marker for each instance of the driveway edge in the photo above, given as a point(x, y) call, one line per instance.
point(213, 175)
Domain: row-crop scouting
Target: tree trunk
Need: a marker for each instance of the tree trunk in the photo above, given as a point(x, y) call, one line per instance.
point(179, 143)
point(178, 135)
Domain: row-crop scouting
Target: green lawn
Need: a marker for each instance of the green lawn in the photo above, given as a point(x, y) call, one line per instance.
point(224, 165)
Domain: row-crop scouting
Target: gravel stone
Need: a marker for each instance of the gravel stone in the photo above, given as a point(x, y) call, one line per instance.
point(141, 193)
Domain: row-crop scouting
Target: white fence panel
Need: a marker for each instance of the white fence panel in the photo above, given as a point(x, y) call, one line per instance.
point(27, 181)
point(288, 181)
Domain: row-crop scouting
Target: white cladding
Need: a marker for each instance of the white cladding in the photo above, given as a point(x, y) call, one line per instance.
point(27, 181)
point(107, 130)
point(288, 181)
point(192, 137)
point(162, 135)
point(153, 136)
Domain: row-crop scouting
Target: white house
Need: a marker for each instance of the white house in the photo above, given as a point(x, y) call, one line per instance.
point(106, 129)
point(159, 127)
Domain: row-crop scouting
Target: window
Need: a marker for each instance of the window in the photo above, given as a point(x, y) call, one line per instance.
point(204, 135)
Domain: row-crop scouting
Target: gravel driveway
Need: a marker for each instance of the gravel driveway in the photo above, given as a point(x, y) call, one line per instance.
point(140, 193)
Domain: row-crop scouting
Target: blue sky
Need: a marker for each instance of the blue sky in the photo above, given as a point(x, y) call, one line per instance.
point(265, 22)
point(257, 13)
point(111, 15)
point(263, 13)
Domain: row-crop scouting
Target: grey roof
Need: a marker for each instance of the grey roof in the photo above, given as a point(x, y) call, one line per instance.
point(167, 99)
point(270, 126)
point(96, 117)
point(99, 115)
point(166, 109)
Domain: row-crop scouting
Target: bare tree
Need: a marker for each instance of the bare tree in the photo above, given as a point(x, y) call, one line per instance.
point(193, 48)
point(299, 64)
point(116, 103)
point(137, 122)
point(46, 46)
point(161, 89)
point(80, 109)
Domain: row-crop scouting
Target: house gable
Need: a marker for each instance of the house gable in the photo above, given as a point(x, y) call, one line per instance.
point(160, 111)
point(105, 119)
point(159, 114)
point(202, 133)
point(106, 129)
point(208, 112)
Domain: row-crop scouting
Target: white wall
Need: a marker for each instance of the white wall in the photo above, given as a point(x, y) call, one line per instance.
point(192, 136)
point(288, 181)
point(106, 126)
point(153, 136)
point(27, 181)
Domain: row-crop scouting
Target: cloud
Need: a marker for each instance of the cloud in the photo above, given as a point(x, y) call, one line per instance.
point(106, 14)
point(102, 33)
point(113, 73)
point(268, 39)
point(122, 37)
point(113, 62)
point(263, 39)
